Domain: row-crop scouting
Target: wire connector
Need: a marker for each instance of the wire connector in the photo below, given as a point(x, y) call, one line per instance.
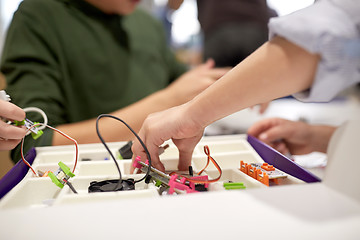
point(35, 132)
point(62, 175)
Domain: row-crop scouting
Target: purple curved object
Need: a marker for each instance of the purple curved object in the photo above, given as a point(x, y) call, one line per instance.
point(16, 174)
point(273, 157)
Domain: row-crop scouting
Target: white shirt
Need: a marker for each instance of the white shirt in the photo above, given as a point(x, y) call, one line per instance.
point(330, 28)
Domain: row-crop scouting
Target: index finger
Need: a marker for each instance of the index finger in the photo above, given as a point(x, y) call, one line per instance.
point(139, 150)
point(11, 112)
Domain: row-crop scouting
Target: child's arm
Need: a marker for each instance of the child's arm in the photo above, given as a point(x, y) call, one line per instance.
point(276, 69)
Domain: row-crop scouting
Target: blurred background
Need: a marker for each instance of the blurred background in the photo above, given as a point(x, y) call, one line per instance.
point(185, 32)
point(183, 28)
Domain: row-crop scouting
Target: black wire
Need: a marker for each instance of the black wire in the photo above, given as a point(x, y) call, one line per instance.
point(107, 148)
point(71, 186)
point(112, 156)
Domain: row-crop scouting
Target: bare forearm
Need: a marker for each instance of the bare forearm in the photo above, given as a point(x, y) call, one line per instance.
point(111, 130)
point(276, 69)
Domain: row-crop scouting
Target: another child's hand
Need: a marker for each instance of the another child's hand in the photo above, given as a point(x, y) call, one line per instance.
point(286, 136)
point(10, 135)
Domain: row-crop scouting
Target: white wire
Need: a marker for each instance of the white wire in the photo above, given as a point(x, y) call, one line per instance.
point(38, 110)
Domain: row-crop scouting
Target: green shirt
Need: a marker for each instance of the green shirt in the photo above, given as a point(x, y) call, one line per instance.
point(75, 62)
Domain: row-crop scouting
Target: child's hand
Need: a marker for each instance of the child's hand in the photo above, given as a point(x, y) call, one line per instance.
point(10, 135)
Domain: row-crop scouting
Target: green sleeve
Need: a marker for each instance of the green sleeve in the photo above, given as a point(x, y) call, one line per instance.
point(29, 61)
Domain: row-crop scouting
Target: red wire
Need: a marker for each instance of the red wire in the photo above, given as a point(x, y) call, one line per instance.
point(54, 129)
point(207, 152)
point(23, 158)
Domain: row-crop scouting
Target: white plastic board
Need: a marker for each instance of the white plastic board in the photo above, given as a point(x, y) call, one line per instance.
point(36, 208)
point(95, 164)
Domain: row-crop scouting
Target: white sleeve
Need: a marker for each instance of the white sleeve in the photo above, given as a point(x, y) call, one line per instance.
point(330, 28)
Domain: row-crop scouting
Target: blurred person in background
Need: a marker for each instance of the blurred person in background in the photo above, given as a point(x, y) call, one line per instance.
point(233, 29)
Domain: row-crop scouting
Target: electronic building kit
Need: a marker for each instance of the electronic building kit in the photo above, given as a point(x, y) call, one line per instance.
point(96, 177)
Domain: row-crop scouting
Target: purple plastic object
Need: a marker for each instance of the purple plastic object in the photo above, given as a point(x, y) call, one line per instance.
point(273, 157)
point(16, 174)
